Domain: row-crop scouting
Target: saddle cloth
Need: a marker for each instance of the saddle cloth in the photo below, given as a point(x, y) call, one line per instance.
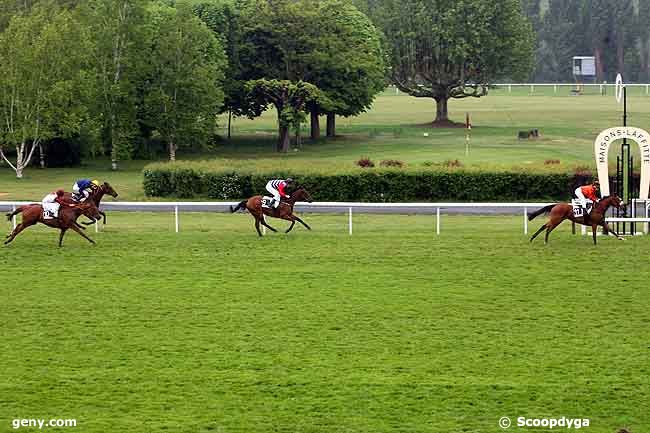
point(578, 209)
point(50, 210)
point(266, 202)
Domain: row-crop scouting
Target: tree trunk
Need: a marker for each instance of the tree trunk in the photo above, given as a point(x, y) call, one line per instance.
point(20, 165)
point(331, 125)
point(283, 138)
point(172, 151)
point(113, 144)
point(298, 140)
point(42, 154)
point(315, 125)
point(229, 122)
point(441, 110)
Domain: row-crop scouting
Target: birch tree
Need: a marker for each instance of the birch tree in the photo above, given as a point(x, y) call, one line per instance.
point(41, 58)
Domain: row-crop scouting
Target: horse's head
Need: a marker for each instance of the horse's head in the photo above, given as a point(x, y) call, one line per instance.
point(89, 209)
point(615, 201)
point(108, 189)
point(301, 194)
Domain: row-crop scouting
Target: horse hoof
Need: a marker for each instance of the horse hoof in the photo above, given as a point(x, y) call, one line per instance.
point(621, 238)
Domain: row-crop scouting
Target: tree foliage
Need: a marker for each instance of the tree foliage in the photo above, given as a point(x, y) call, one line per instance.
point(186, 69)
point(444, 49)
point(43, 53)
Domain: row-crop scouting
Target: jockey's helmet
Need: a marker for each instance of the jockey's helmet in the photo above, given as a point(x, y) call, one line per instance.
point(289, 180)
point(95, 182)
point(596, 184)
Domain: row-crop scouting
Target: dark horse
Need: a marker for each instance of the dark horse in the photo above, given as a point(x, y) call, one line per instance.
point(68, 214)
point(563, 211)
point(283, 211)
point(96, 198)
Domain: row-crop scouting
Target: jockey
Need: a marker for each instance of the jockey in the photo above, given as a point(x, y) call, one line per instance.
point(588, 192)
point(277, 188)
point(82, 189)
point(51, 204)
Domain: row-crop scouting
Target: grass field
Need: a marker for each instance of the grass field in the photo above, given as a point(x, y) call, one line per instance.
point(394, 129)
point(392, 329)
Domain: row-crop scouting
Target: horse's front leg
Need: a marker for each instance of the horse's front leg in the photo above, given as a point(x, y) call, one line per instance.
point(82, 234)
point(607, 229)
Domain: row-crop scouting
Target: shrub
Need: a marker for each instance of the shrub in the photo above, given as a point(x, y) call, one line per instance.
point(196, 179)
point(391, 163)
point(365, 163)
point(551, 161)
point(452, 163)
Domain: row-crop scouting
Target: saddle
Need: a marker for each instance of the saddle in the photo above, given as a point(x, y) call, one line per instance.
point(578, 210)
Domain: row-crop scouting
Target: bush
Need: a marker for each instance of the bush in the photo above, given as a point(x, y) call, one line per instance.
point(365, 163)
point(191, 180)
point(391, 163)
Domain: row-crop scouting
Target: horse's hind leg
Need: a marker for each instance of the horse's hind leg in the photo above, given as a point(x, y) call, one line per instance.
point(541, 229)
point(61, 237)
point(11, 236)
point(594, 229)
point(257, 226)
point(550, 227)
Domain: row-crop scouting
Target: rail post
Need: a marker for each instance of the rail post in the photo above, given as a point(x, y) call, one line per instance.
point(96, 226)
point(13, 218)
point(438, 221)
point(350, 221)
point(525, 220)
point(176, 217)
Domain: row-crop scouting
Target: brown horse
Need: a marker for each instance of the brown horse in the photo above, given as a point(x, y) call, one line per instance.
point(564, 211)
point(96, 197)
point(283, 211)
point(68, 214)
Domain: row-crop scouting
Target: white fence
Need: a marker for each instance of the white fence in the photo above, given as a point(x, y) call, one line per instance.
point(349, 208)
point(602, 88)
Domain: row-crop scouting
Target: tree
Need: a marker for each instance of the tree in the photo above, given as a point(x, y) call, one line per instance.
point(289, 99)
point(444, 49)
point(187, 63)
point(117, 66)
point(41, 74)
point(347, 63)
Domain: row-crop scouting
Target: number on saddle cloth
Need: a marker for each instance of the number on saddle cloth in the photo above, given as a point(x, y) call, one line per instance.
point(578, 210)
point(267, 202)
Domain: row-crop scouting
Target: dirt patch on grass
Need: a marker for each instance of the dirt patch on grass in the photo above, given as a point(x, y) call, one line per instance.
point(445, 124)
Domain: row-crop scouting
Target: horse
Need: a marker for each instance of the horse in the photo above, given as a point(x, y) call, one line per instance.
point(68, 214)
point(96, 196)
point(563, 211)
point(283, 211)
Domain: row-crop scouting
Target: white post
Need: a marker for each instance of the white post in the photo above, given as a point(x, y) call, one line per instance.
point(509, 88)
point(525, 220)
point(646, 89)
point(647, 225)
point(13, 219)
point(554, 88)
point(176, 216)
point(438, 221)
point(350, 221)
point(583, 229)
point(96, 226)
point(532, 89)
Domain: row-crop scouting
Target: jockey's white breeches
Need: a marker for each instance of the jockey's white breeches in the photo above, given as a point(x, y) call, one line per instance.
point(274, 192)
point(583, 200)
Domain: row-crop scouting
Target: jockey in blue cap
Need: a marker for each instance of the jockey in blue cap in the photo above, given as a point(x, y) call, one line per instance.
point(82, 189)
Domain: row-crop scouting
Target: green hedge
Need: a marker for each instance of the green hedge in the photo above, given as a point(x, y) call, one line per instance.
point(371, 185)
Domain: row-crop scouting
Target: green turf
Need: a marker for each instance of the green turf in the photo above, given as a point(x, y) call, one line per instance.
point(393, 129)
point(393, 329)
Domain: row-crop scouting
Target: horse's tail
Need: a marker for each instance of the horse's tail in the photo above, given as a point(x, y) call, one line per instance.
point(545, 209)
point(10, 215)
point(240, 205)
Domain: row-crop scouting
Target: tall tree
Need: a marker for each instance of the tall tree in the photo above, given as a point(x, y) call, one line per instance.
point(117, 27)
point(445, 49)
point(41, 74)
point(187, 63)
point(347, 62)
